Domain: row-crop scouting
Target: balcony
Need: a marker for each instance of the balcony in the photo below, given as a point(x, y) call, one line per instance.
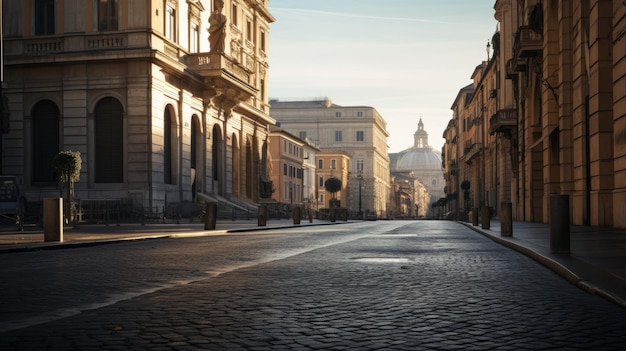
point(471, 151)
point(223, 73)
point(528, 43)
point(503, 121)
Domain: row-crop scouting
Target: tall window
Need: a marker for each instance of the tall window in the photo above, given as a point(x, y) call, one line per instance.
point(107, 15)
point(109, 133)
point(360, 136)
point(338, 135)
point(359, 165)
point(320, 164)
point(170, 22)
point(233, 14)
point(45, 140)
point(169, 147)
point(321, 181)
point(333, 164)
point(194, 37)
point(249, 30)
point(263, 40)
point(44, 17)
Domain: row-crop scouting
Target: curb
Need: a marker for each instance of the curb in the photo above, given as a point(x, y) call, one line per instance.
point(170, 235)
point(555, 266)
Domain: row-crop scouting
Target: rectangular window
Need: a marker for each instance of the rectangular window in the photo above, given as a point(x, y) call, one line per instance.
point(359, 136)
point(107, 15)
point(359, 114)
point(337, 114)
point(44, 17)
point(194, 37)
point(233, 15)
point(333, 164)
point(320, 164)
point(322, 199)
point(249, 30)
point(170, 23)
point(338, 135)
point(285, 169)
point(263, 40)
point(321, 180)
point(359, 165)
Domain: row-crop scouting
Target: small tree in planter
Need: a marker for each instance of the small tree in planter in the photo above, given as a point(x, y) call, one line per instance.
point(333, 185)
point(67, 166)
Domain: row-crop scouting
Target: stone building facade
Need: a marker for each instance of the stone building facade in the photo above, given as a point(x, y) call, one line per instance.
point(554, 110)
point(360, 131)
point(159, 114)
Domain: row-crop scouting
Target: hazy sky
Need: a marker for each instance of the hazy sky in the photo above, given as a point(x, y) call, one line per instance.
point(405, 58)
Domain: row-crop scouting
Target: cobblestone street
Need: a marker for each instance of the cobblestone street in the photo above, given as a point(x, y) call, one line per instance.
point(422, 285)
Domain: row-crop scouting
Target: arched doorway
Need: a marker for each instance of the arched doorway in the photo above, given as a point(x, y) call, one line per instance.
point(45, 140)
point(195, 156)
point(236, 167)
point(249, 172)
point(216, 159)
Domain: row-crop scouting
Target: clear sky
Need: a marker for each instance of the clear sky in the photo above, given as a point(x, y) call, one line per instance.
point(405, 58)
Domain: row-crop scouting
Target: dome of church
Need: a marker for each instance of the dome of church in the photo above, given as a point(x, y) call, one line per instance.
point(418, 159)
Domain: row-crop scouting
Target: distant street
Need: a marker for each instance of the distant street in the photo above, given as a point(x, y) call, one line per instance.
point(395, 285)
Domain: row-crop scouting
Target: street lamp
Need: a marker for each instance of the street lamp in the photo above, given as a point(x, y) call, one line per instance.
point(359, 177)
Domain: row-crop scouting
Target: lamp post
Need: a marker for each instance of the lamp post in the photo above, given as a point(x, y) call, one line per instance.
point(359, 177)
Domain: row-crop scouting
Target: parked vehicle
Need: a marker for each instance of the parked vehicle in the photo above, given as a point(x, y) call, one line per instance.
point(12, 201)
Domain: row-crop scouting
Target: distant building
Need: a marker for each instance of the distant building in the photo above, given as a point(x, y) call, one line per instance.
point(333, 163)
point(359, 131)
point(423, 161)
point(287, 156)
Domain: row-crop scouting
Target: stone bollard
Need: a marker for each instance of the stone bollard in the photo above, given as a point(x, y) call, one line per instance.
point(475, 216)
point(210, 219)
point(296, 215)
point(333, 216)
point(559, 224)
point(485, 217)
point(262, 216)
point(53, 219)
point(506, 219)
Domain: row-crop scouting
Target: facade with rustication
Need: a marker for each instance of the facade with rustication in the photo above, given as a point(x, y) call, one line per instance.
point(165, 100)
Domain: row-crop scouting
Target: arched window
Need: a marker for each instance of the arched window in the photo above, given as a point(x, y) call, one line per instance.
point(45, 140)
point(109, 141)
point(169, 147)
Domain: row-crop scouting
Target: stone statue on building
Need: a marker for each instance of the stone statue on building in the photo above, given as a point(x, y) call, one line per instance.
point(217, 28)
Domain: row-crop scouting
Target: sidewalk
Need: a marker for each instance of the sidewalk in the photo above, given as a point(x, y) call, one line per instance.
point(31, 238)
point(597, 259)
point(596, 263)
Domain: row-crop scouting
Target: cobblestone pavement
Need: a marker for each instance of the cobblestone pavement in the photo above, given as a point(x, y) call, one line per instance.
point(367, 286)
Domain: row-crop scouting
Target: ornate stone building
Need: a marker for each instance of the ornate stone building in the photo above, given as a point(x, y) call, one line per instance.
point(551, 100)
point(423, 162)
point(165, 100)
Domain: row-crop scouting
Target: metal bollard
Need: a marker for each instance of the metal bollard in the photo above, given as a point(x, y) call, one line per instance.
point(210, 218)
point(506, 219)
point(475, 216)
point(559, 224)
point(485, 217)
point(296, 215)
point(53, 219)
point(262, 216)
point(333, 217)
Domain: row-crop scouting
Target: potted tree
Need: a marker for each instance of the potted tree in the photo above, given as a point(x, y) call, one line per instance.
point(333, 185)
point(67, 166)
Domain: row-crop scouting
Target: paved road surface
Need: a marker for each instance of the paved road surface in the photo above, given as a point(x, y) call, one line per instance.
point(423, 285)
